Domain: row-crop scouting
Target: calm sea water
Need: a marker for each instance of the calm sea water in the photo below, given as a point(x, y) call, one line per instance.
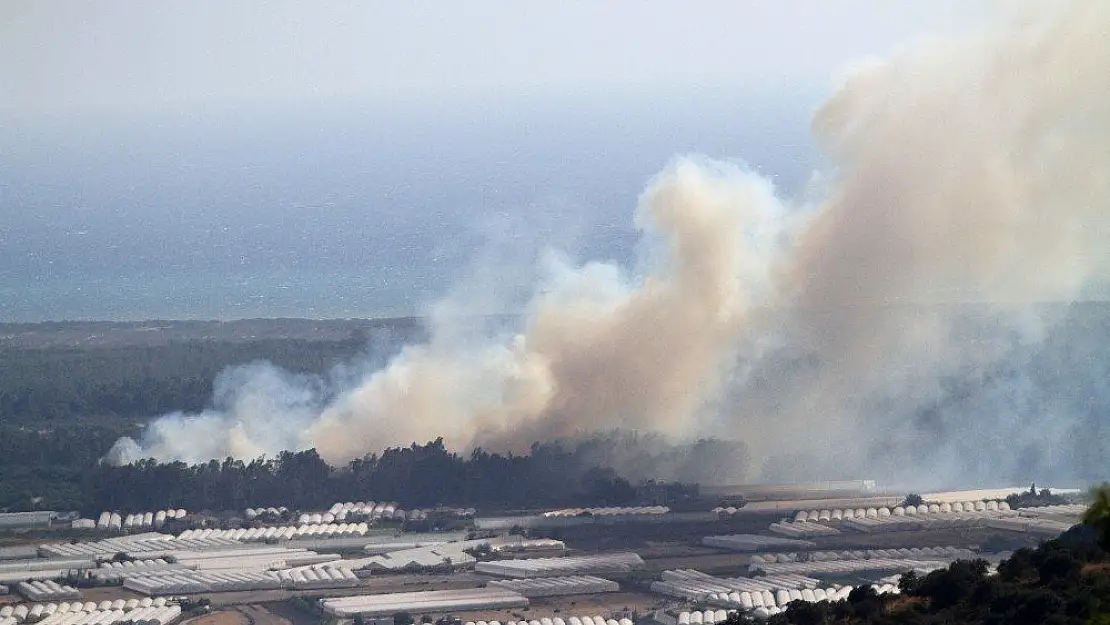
point(332, 218)
point(388, 282)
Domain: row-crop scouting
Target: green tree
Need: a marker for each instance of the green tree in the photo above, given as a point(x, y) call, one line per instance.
point(737, 618)
point(1097, 515)
point(912, 499)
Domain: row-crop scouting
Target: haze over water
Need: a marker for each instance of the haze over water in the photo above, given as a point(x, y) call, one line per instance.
point(274, 160)
point(360, 216)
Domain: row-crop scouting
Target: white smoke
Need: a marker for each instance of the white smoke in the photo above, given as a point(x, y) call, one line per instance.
point(964, 171)
point(599, 349)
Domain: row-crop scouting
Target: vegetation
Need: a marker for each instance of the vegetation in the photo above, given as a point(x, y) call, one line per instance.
point(416, 476)
point(1063, 581)
point(481, 552)
point(62, 407)
point(46, 467)
point(1097, 516)
point(45, 386)
point(912, 499)
point(307, 605)
point(195, 606)
point(1034, 499)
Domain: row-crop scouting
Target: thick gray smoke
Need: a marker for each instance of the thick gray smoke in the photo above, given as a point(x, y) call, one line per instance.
point(896, 316)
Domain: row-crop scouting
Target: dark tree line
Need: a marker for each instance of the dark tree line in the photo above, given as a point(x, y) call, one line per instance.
point(1034, 498)
point(415, 476)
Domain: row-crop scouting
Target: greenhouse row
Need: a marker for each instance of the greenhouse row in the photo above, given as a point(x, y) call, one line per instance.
point(574, 620)
point(22, 612)
point(708, 616)
point(158, 563)
point(113, 520)
point(287, 532)
point(749, 601)
point(254, 513)
point(455, 545)
point(187, 582)
point(373, 509)
point(37, 518)
point(687, 618)
point(387, 513)
point(108, 571)
point(752, 542)
point(381, 548)
point(369, 509)
point(47, 590)
point(433, 601)
point(717, 584)
point(14, 577)
point(118, 576)
point(323, 577)
point(922, 553)
point(1072, 512)
point(907, 523)
point(42, 565)
point(799, 530)
point(433, 556)
point(921, 510)
point(1048, 527)
point(555, 586)
point(529, 544)
point(141, 616)
point(621, 562)
point(849, 567)
point(141, 545)
point(573, 512)
point(262, 559)
point(697, 586)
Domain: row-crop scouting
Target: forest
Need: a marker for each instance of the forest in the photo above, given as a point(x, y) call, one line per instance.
point(62, 405)
point(415, 476)
point(135, 382)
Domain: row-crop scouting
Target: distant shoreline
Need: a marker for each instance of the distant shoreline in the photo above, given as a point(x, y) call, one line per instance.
point(85, 334)
point(88, 333)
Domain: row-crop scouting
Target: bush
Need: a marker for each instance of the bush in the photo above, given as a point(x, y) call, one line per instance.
point(948, 587)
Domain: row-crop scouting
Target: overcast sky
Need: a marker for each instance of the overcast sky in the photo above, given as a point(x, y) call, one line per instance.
point(136, 57)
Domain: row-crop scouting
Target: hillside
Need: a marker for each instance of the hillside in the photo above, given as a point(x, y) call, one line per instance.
point(1065, 581)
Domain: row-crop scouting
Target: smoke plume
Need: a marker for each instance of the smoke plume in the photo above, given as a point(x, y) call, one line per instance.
point(900, 314)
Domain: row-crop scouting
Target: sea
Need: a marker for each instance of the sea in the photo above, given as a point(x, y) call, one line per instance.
point(342, 217)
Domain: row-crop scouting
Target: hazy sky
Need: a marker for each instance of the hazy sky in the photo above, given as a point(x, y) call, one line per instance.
point(139, 56)
point(351, 146)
